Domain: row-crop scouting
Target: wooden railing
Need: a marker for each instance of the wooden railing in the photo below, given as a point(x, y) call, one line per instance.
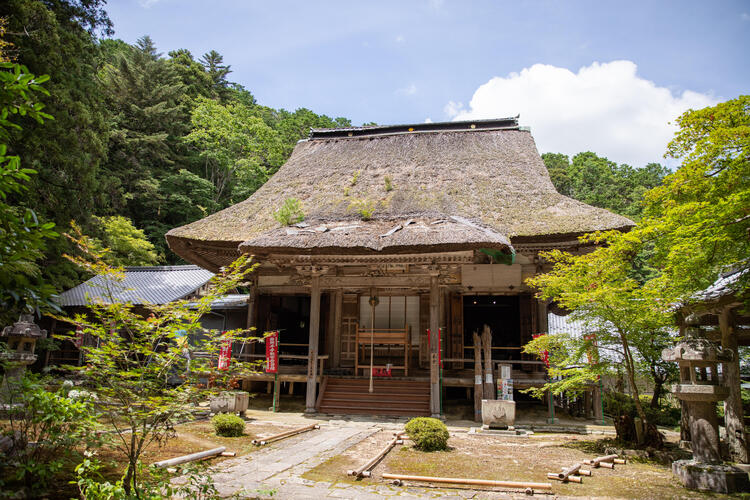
point(321, 359)
point(387, 338)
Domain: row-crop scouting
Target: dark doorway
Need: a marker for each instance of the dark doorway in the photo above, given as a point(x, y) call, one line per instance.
point(290, 314)
point(502, 314)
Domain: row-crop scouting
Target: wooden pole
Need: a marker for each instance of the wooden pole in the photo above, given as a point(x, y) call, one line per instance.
point(434, 325)
point(480, 482)
point(372, 335)
point(338, 301)
point(191, 458)
point(489, 386)
point(312, 358)
point(733, 413)
point(286, 434)
point(364, 471)
point(478, 387)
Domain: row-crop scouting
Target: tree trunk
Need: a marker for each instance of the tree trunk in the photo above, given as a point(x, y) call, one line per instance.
point(651, 435)
point(658, 387)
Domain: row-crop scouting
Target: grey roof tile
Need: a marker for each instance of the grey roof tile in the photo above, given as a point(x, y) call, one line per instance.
point(142, 285)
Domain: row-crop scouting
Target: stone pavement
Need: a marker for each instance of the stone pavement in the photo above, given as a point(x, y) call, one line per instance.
point(280, 466)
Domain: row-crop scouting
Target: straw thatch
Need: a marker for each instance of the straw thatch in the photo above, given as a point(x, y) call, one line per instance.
point(488, 172)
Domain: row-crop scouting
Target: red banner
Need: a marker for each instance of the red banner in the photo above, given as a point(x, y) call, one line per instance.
point(272, 352)
point(225, 354)
point(544, 355)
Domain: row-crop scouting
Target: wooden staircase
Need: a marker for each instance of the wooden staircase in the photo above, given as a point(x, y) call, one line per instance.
point(342, 396)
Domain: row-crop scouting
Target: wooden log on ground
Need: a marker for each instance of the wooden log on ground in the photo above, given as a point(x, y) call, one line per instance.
point(282, 435)
point(598, 461)
point(191, 458)
point(479, 482)
point(228, 453)
point(620, 461)
point(567, 479)
point(584, 472)
point(364, 471)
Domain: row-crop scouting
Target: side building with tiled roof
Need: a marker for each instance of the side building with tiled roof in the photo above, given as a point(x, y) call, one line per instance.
point(143, 286)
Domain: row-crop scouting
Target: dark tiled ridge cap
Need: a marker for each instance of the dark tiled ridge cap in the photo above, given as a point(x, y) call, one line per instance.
point(187, 267)
point(510, 123)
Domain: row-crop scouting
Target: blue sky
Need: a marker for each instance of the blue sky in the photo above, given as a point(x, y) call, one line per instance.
point(408, 61)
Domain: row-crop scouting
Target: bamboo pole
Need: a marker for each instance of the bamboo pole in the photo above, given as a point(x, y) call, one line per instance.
point(480, 482)
point(568, 479)
point(489, 386)
point(478, 387)
point(573, 470)
point(191, 458)
point(282, 435)
point(600, 461)
point(364, 471)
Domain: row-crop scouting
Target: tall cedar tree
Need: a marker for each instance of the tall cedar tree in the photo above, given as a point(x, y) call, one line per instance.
point(143, 94)
point(56, 38)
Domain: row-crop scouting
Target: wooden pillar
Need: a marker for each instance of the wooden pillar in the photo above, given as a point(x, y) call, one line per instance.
point(478, 386)
point(598, 409)
point(252, 309)
point(434, 326)
point(733, 414)
point(312, 358)
point(338, 301)
point(488, 382)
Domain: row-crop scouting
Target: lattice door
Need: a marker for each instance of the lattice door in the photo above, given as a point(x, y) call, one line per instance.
point(348, 340)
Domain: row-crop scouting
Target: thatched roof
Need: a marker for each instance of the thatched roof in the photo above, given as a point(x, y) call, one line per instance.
point(487, 173)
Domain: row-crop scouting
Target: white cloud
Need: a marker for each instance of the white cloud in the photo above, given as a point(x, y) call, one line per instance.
point(452, 109)
point(428, 120)
point(411, 89)
point(400, 39)
point(606, 108)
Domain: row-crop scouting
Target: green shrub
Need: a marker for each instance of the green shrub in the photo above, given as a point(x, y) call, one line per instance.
point(62, 425)
point(388, 183)
point(428, 434)
point(228, 425)
point(289, 213)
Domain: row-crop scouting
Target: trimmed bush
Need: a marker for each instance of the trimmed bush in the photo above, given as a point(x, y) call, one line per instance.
point(228, 425)
point(428, 434)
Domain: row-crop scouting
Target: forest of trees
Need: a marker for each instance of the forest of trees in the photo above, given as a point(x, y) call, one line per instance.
point(141, 142)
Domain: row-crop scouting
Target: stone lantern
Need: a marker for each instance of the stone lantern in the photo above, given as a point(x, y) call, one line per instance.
point(22, 337)
point(700, 388)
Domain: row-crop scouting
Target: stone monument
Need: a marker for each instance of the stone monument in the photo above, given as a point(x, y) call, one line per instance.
point(700, 389)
